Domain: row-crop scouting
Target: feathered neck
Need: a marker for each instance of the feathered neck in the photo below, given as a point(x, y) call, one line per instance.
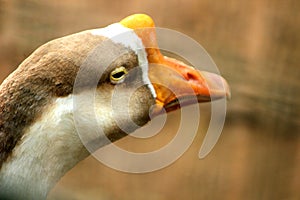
point(47, 150)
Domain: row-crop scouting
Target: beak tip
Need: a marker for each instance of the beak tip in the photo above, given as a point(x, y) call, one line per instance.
point(226, 89)
point(228, 94)
point(218, 86)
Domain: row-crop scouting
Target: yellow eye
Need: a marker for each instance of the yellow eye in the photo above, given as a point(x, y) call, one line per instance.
point(118, 75)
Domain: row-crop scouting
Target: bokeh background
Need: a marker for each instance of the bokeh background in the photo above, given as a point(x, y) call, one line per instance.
point(255, 44)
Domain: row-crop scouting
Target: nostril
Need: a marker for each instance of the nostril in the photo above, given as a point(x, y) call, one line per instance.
point(189, 76)
point(192, 76)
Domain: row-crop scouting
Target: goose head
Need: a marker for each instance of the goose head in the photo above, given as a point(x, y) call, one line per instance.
point(102, 83)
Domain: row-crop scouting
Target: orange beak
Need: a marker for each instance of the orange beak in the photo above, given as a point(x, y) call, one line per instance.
point(173, 80)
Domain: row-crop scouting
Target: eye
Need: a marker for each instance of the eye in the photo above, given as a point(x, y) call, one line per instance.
point(118, 75)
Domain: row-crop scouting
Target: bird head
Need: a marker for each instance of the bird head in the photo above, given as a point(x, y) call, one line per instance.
point(151, 83)
point(111, 79)
point(119, 67)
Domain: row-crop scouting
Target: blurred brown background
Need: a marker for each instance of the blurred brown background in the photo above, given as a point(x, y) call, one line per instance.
point(256, 45)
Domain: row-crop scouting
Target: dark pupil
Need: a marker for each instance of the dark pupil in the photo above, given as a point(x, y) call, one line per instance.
point(118, 75)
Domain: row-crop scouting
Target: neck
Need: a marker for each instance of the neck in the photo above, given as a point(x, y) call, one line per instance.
point(47, 150)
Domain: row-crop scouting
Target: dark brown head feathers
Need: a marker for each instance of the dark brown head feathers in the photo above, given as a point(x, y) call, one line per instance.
point(50, 71)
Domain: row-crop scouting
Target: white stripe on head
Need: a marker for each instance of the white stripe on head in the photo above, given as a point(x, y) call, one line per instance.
point(126, 36)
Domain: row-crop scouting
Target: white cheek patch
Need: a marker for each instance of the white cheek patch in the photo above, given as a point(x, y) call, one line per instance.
point(126, 36)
